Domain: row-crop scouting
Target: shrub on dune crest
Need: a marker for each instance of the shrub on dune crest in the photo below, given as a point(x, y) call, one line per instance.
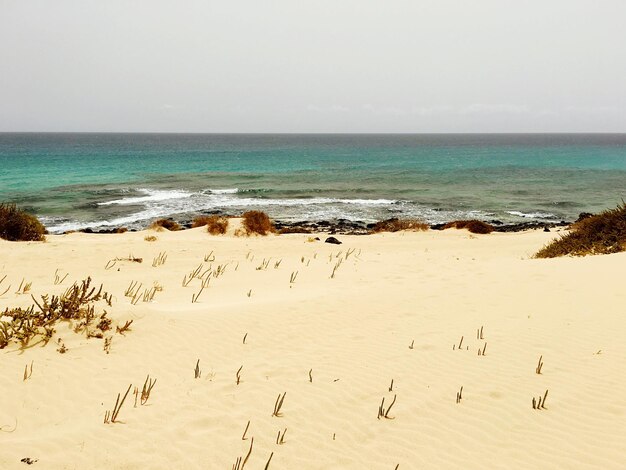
point(473, 226)
point(257, 222)
point(17, 225)
point(215, 224)
point(395, 225)
point(603, 233)
point(167, 224)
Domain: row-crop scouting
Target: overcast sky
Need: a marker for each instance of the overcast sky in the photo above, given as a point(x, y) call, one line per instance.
point(313, 66)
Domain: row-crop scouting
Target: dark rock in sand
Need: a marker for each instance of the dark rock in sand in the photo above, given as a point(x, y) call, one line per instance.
point(332, 240)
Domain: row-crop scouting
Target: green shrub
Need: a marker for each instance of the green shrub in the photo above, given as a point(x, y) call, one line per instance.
point(603, 233)
point(17, 225)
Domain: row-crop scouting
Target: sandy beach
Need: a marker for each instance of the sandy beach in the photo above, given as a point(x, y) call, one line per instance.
point(331, 326)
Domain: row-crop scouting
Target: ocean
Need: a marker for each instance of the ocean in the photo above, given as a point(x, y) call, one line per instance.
point(76, 181)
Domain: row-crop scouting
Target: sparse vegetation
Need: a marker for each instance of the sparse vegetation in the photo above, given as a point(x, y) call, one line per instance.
point(167, 224)
point(76, 304)
point(600, 234)
point(396, 225)
point(17, 225)
point(473, 226)
point(257, 222)
point(150, 238)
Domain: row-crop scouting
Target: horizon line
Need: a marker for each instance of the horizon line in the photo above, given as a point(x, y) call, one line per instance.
point(321, 133)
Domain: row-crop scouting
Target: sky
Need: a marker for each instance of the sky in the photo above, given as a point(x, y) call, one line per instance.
point(313, 66)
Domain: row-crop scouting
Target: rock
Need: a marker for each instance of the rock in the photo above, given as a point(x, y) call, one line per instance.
point(546, 229)
point(332, 240)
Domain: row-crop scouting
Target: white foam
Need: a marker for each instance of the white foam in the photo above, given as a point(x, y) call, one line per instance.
point(532, 215)
point(223, 191)
point(151, 195)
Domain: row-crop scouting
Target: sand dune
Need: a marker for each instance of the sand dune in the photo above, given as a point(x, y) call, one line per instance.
point(352, 331)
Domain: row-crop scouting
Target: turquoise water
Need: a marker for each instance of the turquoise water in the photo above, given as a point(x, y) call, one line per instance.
point(97, 180)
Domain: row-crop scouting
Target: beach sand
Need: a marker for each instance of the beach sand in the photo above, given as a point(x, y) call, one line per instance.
point(351, 332)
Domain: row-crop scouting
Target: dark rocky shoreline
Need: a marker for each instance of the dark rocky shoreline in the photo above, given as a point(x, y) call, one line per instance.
point(348, 227)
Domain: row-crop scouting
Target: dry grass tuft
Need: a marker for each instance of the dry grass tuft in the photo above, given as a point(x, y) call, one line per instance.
point(17, 225)
point(257, 222)
point(473, 226)
point(396, 225)
point(167, 224)
point(150, 238)
point(599, 234)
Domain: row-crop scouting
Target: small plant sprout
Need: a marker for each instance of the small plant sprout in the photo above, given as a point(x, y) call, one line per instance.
point(249, 294)
point(239, 463)
point(311, 375)
point(192, 275)
point(479, 333)
point(278, 405)
point(159, 260)
point(111, 416)
point(244, 338)
point(384, 413)
point(195, 297)
point(209, 258)
point(238, 375)
point(277, 263)
point(412, 345)
point(58, 279)
point(539, 365)
point(280, 439)
point(147, 389)
point(267, 465)
point(293, 277)
point(148, 294)
point(540, 403)
point(459, 395)
point(27, 373)
point(132, 289)
point(482, 352)
point(337, 265)
point(391, 386)
point(264, 264)
point(197, 372)
point(107, 344)
point(24, 287)
point(110, 264)
point(243, 437)
point(7, 289)
point(459, 346)
point(125, 328)
point(136, 393)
